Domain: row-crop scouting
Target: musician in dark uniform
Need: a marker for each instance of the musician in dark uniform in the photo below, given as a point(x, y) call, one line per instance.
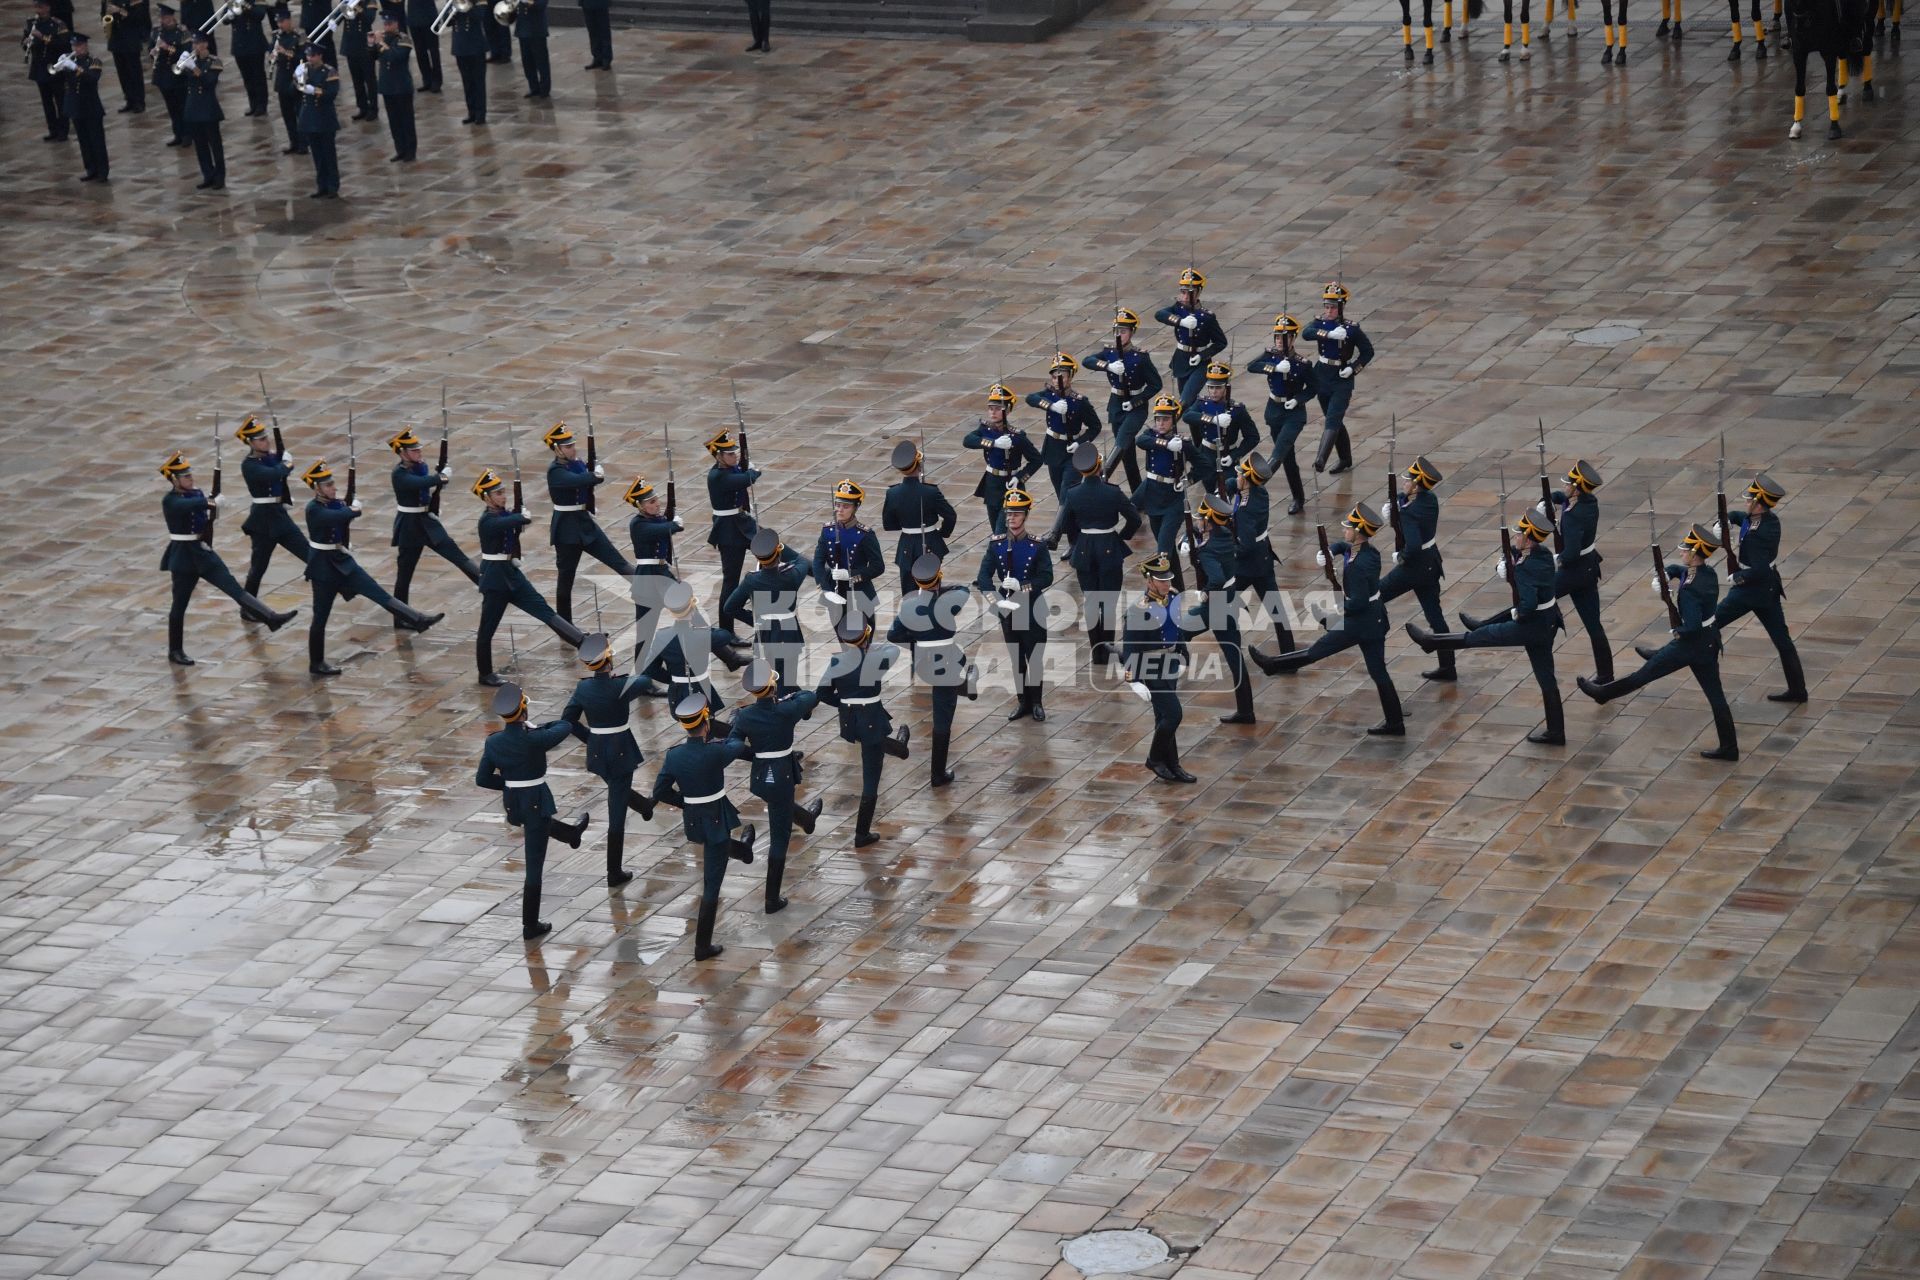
point(1222, 430)
point(426, 42)
point(1071, 418)
point(1157, 628)
point(847, 561)
point(249, 50)
point(416, 491)
point(768, 600)
point(730, 495)
point(1014, 570)
point(573, 531)
point(470, 50)
point(203, 115)
point(1534, 620)
point(286, 89)
point(1255, 565)
point(598, 17)
point(1097, 519)
point(760, 23)
point(334, 573)
point(168, 43)
point(1217, 559)
point(394, 79)
point(313, 16)
point(356, 47)
point(1418, 568)
point(195, 14)
point(190, 558)
point(501, 582)
point(84, 110)
point(1132, 382)
point(852, 684)
point(127, 37)
point(1578, 575)
point(693, 778)
point(1695, 644)
point(601, 713)
point(1344, 350)
point(1197, 337)
point(766, 727)
point(928, 619)
point(47, 44)
point(1007, 457)
point(1756, 583)
point(267, 472)
point(499, 35)
point(1158, 496)
point(530, 29)
point(514, 763)
point(1363, 620)
point(918, 511)
point(1289, 378)
point(320, 123)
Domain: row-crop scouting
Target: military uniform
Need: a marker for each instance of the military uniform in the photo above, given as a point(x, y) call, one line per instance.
point(1132, 382)
point(1344, 350)
point(1757, 588)
point(1154, 653)
point(1695, 645)
point(1197, 337)
point(470, 52)
point(679, 651)
point(190, 558)
point(1363, 623)
point(1014, 570)
point(693, 778)
point(1007, 456)
point(416, 488)
point(268, 523)
point(1098, 519)
point(1418, 567)
point(394, 79)
point(203, 115)
point(601, 713)
point(1254, 556)
point(514, 763)
point(1163, 479)
point(313, 15)
point(249, 49)
point(358, 54)
point(335, 574)
point(86, 113)
point(426, 43)
point(598, 18)
point(1216, 559)
point(918, 511)
point(730, 494)
point(1289, 378)
point(852, 684)
point(286, 56)
point(320, 127)
point(46, 42)
point(768, 600)
point(1577, 577)
point(1534, 620)
point(502, 583)
point(530, 29)
point(127, 41)
point(847, 560)
point(573, 530)
point(927, 620)
point(170, 40)
point(1071, 419)
point(1222, 429)
point(766, 726)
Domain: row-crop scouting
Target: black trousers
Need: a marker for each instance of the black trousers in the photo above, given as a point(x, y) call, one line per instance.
point(176, 100)
point(325, 593)
point(499, 38)
point(426, 53)
point(473, 83)
point(1125, 425)
point(400, 125)
point(53, 92)
point(214, 570)
point(284, 534)
point(1704, 660)
point(537, 829)
point(1266, 589)
point(438, 540)
point(93, 145)
point(1283, 428)
point(760, 19)
point(253, 74)
point(366, 91)
point(619, 787)
point(210, 152)
point(1764, 604)
point(1027, 644)
point(1425, 586)
point(129, 66)
point(538, 69)
point(493, 607)
point(599, 35)
point(326, 161)
point(1224, 613)
point(1167, 714)
point(1335, 393)
point(1373, 650)
point(290, 116)
point(872, 756)
point(1586, 603)
point(1100, 586)
point(1537, 639)
point(566, 560)
point(731, 558)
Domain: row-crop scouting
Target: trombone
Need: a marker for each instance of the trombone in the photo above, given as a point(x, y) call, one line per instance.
point(330, 24)
point(227, 11)
point(446, 13)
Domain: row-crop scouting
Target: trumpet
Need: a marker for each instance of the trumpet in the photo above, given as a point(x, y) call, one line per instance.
point(183, 63)
point(62, 63)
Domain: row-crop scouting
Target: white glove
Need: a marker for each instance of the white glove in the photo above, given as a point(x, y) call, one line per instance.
point(354, 506)
point(678, 524)
point(286, 460)
point(446, 473)
point(1002, 442)
point(1556, 559)
point(1338, 333)
point(1500, 570)
point(1223, 419)
point(1346, 371)
point(1654, 582)
point(1190, 323)
point(1060, 407)
point(213, 500)
point(1320, 559)
point(1289, 404)
point(1186, 548)
point(1140, 691)
point(843, 575)
point(599, 472)
point(1720, 531)
point(1285, 366)
point(1173, 444)
point(1396, 557)
point(1126, 406)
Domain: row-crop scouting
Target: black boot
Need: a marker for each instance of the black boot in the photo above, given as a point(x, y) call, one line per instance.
point(405, 615)
point(972, 690)
point(640, 804)
point(776, 872)
point(740, 848)
point(1722, 752)
point(177, 642)
point(1646, 651)
point(1242, 703)
point(1470, 623)
point(897, 745)
point(568, 833)
point(531, 925)
point(1601, 693)
point(617, 875)
point(863, 826)
point(1277, 664)
point(732, 658)
point(1796, 690)
point(941, 777)
point(807, 816)
point(259, 612)
point(1167, 751)
point(704, 947)
point(1388, 729)
point(178, 657)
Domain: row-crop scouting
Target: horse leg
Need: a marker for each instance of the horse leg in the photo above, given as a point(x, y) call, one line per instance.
point(1836, 87)
point(1866, 75)
point(1666, 15)
point(1841, 61)
point(1426, 12)
point(1733, 53)
point(1526, 28)
point(1799, 90)
point(1406, 27)
point(1606, 29)
point(1759, 33)
point(1446, 22)
point(1677, 32)
point(1620, 38)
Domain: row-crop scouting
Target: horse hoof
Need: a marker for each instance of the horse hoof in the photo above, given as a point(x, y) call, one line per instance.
point(1833, 130)
point(1525, 52)
point(1408, 50)
point(1794, 133)
point(1428, 59)
point(1607, 57)
point(1660, 32)
point(1506, 55)
point(1867, 92)
point(1841, 97)
point(1733, 54)
point(1761, 52)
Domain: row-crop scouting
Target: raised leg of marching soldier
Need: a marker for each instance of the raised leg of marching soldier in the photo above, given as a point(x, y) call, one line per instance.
point(493, 607)
point(693, 778)
point(278, 534)
point(566, 560)
point(190, 558)
point(514, 763)
point(441, 543)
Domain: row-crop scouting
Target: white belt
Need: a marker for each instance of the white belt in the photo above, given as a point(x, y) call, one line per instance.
point(699, 679)
point(1590, 547)
point(184, 537)
point(640, 562)
point(1211, 446)
point(1430, 544)
point(325, 546)
point(718, 795)
point(263, 501)
point(606, 728)
point(1280, 399)
point(730, 511)
point(411, 511)
point(843, 575)
point(1184, 347)
point(1112, 528)
point(489, 555)
point(996, 471)
point(1161, 479)
point(936, 644)
point(518, 783)
point(1373, 597)
point(1058, 435)
point(859, 702)
point(781, 754)
point(774, 617)
point(578, 506)
point(921, 528)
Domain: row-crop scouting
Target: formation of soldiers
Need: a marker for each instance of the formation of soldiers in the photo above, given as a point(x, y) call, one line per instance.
point(1198, 493)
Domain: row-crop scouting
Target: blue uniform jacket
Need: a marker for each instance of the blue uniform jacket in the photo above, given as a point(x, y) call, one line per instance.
point(1165, 459)
point(1223, 446)
point(518, 753)
point(927, 621)
point(727, 491)
point(652, 541)
point(184, 513)
point(1131, 376)
point(851, 549)
point(1017, 461)
point(1153, 645)
point(1294, 382)
point(1065, 428)
point(765, 726)
point(330, 523)
point(914, 504)
point(1420, 522)
point(1202, 342)
point(1697, 596)
point(1759, 548)
point(1362, 611)
point(570, 484)
point(413, 486)
point(1254, 554)
point(317, 113)
point(265, 477)
point(694, 776)
point(1352, 348)
point(778, 586)
point(1579, 539)
point(1533, 580)
point(853, 685)
point(600, 712)
point(500, 536)
point(1010, 564)
point(1100, 517)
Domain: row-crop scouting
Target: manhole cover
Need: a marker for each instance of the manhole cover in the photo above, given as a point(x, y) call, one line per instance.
point(1606, 335)
point(1115, 1252)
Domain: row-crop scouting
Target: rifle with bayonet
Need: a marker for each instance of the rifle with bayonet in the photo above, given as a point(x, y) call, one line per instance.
point(1546, 492)
point(740, 421)
point(1660, 564)
point(666, 443)
point(1326, 547)
point(1393, 486)
point(1726, 526)
point(593, 449)
point(279, 442)
point(440, 467)
point(1506, 548)
point(213, 494)
point(519, 495)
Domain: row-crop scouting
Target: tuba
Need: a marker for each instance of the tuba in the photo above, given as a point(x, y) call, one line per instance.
point(505, 11)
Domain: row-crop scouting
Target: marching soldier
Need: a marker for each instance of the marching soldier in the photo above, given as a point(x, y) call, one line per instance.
point(1158, 496)
point(852, 684)
point(514, 763)
point(530, 29)
point(127, 37)
point(605, 703)
point(573, 530)
point(598, 17)
point(47, 45)
point(266, 472)
point(730, 493)
point(470, 55)
point(928, 619)
point(1071, 418)
point(1417, 568)
point(768, 600)
point(1014, 570)
point(1364, 620)
point(693, 778)
point(766, 725)
point(918, 510)
point(203, 115)
point(426, 42)
point(1578, 577)
point(1197, 336)
point(170, 40)
point(249, 51)
point(1695, 643)
point(320, 123)
point(1343, 351)
point(651, 530)
point(1535, 618)
point(1289, 378)
point(1216, 559)
point(847, 559)
point(1098, 519)
point(415, 527)
point(501, 582)
point(1008, 457)
point(1154, 655)
point(85, 111)
point(356, 43)
point(1223, 430)
point(1132, 382)
point(190, 558)
point(286, 88)
point(1256, 559)
point(680, 650)
point(1756, 584)
point(394, 79)
point(334, 573)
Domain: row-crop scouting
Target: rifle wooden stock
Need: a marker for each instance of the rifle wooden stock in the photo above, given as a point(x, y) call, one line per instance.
point(1506, 558)
point(1393, 512)
point(1726, 531)
point(1326, 554)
